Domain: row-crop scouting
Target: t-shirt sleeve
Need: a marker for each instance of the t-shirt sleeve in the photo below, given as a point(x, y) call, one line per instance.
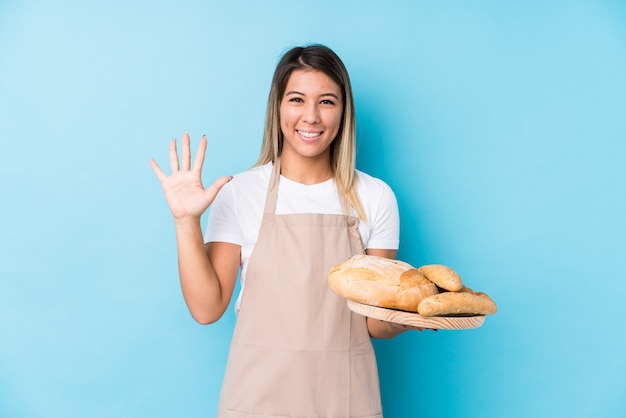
point(385, 222)
point(223, 225)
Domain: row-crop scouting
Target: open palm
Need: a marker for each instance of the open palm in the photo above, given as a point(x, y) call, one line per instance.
point(186, 196)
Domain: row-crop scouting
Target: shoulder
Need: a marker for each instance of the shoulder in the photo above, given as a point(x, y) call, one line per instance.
point(372, 186)
point(381, 210)
point(377, 198)
point(254, 174)
point(253, 180)
point(238, 207)
point(245, 188)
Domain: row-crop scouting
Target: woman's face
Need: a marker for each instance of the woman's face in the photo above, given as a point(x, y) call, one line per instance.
point(310, 115)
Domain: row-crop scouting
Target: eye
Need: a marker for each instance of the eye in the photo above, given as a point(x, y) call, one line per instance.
point(327, 102)
point(296, 100)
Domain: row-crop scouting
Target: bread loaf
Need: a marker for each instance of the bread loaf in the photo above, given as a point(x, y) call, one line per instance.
point(443, 276)
point(464, 302)
point(380, 282)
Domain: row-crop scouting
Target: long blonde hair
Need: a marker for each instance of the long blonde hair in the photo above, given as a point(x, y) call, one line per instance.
point(343, 148)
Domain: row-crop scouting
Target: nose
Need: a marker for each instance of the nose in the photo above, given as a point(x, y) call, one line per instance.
point(311, 113)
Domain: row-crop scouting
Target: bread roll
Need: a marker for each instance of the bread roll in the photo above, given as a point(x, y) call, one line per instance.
point(465, 302)
point(380, 282)
point(442, 276)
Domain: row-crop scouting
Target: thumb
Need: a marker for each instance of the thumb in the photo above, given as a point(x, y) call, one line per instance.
point(217, 185)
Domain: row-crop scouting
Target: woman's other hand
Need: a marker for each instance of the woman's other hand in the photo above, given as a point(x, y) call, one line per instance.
point(186, 196)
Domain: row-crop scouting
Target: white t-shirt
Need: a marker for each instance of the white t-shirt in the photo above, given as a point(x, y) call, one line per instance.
point(235, 215)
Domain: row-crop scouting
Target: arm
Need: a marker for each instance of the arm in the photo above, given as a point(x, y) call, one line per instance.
point(207, 274)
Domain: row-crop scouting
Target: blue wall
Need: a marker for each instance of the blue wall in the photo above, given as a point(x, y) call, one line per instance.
point(500, 125)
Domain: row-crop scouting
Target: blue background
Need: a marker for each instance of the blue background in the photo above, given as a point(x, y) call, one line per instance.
point(500, 126)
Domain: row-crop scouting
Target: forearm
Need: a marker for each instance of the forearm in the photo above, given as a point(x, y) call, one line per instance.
point(384, 330)
point(199, 281)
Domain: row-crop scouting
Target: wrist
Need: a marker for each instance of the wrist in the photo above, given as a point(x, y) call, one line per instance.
point(187, 222)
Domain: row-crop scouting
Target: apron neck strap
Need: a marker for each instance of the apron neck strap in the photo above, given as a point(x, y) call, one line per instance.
point(272, 193)
point(272, 189)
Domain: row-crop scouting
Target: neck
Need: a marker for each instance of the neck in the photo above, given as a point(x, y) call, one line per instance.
point(306, 170)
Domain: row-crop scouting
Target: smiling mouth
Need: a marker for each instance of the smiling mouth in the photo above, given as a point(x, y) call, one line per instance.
point(309, 134)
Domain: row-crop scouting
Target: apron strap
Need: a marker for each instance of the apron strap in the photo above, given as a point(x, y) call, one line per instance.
point(272, 189)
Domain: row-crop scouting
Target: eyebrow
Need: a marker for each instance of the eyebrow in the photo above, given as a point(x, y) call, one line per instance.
point(302, 94)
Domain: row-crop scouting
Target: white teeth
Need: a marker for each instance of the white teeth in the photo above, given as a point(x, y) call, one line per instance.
point(309, 134)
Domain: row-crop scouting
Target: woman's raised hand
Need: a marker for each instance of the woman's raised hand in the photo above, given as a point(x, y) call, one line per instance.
point(186, 196)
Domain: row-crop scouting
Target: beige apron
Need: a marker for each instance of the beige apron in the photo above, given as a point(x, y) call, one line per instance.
point(297, 350)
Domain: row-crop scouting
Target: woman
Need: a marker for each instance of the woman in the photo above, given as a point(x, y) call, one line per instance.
point(297, 351)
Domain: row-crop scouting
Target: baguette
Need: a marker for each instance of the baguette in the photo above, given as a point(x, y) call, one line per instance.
point(443, 276)
point(380, 281)
point(464, 302)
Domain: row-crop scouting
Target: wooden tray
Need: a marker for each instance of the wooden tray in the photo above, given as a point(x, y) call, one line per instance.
point(416, 320)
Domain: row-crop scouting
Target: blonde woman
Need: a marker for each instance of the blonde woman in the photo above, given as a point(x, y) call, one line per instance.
point(297, 351)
